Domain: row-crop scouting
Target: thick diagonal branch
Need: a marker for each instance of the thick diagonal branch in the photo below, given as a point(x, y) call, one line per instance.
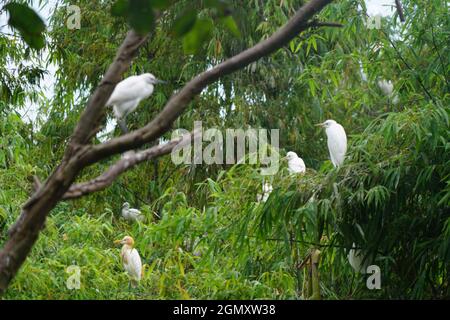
point(25, 231)
point(179, 102)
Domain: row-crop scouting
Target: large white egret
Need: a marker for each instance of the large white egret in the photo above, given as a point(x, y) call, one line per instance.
point(266, 190)
point(295, 163)
point(337, 141)
point(131, 214)
point(131, 260)
point(128, 93)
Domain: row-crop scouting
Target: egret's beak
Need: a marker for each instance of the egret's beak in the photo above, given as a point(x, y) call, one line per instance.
point(320, 124)
point(117, 241)
point(157, 81)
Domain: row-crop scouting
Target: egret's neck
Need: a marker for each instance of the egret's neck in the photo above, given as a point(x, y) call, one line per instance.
point(127, 247)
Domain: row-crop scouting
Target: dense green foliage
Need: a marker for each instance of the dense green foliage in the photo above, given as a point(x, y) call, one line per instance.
point(214, 240)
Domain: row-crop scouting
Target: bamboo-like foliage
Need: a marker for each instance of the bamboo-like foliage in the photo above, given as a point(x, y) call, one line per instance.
point(205, 235)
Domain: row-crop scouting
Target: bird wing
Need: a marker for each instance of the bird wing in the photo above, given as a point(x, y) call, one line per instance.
point(129, 89)
point(337, 144)
point(136, 214)
point(297, 165)
point(125, 90)
point(126, 214)
point(123, 108)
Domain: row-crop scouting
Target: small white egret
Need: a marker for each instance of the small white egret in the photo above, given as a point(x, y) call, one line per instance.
point(295, 163)
point(131, 260)
point(266, 190)
point(356, 259)
point(131, 214)
point(386, 86)
point(128, 93)
point(337, 141)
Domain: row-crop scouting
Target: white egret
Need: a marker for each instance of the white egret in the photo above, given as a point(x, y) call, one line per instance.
point(337, 141)
point(295, 163)
point(358, 260)
point(131, 260)
point(266, 190)
point(131, 214)
point(386, 86)
point(128, 93)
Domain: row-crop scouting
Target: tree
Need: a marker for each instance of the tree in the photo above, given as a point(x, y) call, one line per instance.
point(80, 153)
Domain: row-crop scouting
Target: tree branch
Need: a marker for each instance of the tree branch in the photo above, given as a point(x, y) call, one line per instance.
point(400, 10)
point(79, 154)
point(25, 231)
point(128, 161)
point(179, 102)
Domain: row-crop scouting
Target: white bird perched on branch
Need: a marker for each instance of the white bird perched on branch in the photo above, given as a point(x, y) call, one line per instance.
point(295, 163)
point(131, 214)
point(128, 93)
point(337, 141)
point(131, 260)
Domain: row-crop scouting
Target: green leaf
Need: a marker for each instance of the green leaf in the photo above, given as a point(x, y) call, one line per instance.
point(230, 23)
point(138, 13)
point(201, 32)
point(120, 8)
point(161, 4)
point(28, 23)
point(184, 23)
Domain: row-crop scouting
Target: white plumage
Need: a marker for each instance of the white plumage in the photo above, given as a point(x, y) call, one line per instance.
point(131, 260)
point(295, 163)
point(337, 141)
point(128, 93)
point(131, 214)
point(356, 260)
point(266, 190)
point(386, 86)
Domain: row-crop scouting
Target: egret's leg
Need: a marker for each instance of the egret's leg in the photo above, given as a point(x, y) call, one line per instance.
point(123, 125)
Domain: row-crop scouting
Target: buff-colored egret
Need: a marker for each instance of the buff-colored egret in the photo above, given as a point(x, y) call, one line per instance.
point(131, 214)
point(128, 93)
point(131, 260)
point(266, 190)
point(295, 163)
point(337, 141)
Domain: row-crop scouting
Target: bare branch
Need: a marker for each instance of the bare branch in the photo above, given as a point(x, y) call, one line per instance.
point(24, 233)
point(128, 161)
point(400, 10)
